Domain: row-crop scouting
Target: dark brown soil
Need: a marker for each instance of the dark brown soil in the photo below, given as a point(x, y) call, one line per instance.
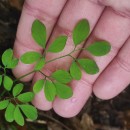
point(113, 114)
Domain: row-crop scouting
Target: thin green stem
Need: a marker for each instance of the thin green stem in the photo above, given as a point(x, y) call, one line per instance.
point(14, 99)
point(44, 74)
point(4, 71)
point(24, 75)
point(61, 57)
point(72, 57)
point(65, 55)
point(56, 58)
point(47, 63)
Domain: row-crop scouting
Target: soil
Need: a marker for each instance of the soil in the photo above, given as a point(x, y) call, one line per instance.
point(97, 114)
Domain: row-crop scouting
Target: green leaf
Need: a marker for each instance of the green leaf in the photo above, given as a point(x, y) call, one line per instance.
point(38, 86)
point(4, 104)
point(7, 57)
point(89, 66)
point(40, 64)
point(8, 60)
point(17, 89)
point(13, 63)
point(30, 57)
point(26, 97)
point(1, 78)
point(9, 113)
point(8, 82)
point(63, 91)
point(81, 32)
point(75, 71)
point(18, 117)
point(58, 45)
point(99, 48)
point(29, 111)
point(39, 33)
point(50, 91)
point(62, 76)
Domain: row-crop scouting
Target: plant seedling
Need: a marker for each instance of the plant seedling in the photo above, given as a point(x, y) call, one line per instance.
point(17, 103)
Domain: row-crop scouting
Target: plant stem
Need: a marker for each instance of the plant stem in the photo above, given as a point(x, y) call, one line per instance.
point(66, 55)
point(43, 74)
point(49, 62)
point(56, 58)
point(61, 57)
point(72, 57)
point(55, 120)
point(49, 77)
point(4, 71)
point(24, 75)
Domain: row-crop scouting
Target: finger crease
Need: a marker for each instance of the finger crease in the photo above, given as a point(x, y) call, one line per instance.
point(86, 82)
point(26, 46)
point(63, 30)
point(121, 13)
point(123, 64)
point(125, 13)
point(115, 50)
point(97, 2)
point(39, 14)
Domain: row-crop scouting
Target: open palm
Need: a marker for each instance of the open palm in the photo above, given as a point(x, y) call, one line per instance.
point(109, 20)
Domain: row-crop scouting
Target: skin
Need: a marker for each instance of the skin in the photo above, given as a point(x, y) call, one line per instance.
point(109, 20)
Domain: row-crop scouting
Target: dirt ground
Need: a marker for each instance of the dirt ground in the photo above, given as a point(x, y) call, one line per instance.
point(97, 114)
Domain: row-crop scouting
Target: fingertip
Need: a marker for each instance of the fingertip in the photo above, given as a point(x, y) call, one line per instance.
point(40, 100)
point(105, 86)
point(71, 107)
point(64, 109)
point(41, 103)
point(111, 82)
point(102, 92)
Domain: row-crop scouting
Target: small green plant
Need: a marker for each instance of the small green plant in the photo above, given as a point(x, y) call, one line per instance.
point(12, 99)
point(15, 102)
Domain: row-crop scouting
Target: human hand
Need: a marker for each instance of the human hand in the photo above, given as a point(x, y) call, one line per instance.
point(109, 20)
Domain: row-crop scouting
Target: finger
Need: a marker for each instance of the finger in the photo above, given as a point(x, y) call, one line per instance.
point(116, 33)
point(116, 77)
point(121, 7)
point(112, 28)
point(72, 13)
point(40, 101)
point(47, 12)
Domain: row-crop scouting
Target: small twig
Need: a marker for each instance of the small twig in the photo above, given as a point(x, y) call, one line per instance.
point(65, 55)
point(53, 119)
point(73, 57)
point(56, 58)
point(37, 121)
point(44, 74)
